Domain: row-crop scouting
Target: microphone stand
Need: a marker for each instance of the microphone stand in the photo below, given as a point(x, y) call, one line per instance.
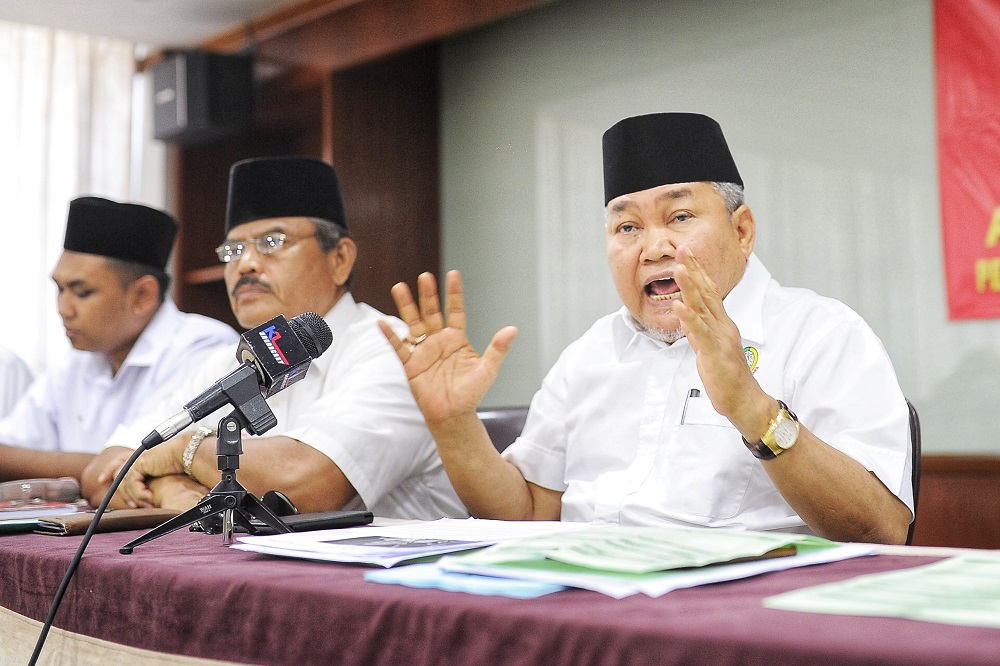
point(228, 497)
point(242, 390)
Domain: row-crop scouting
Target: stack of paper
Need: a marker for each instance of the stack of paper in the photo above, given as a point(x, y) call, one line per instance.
point(22, 516)
point(17, 509)
point(390, 545)
point(620, 561)
point(546, 556)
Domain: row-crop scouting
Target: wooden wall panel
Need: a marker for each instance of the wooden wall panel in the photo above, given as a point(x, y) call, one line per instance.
point(385, 149)
point(338, 34)
point(354, 82)
point(288, 121)
point(959, 502)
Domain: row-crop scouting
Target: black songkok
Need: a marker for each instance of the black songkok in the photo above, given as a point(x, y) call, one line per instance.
point(266, 187)
point(120, 230)
point(662, 149)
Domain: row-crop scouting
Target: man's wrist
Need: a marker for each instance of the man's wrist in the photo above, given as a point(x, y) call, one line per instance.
point(191, 450)
point(781, 434)
point(754, 415)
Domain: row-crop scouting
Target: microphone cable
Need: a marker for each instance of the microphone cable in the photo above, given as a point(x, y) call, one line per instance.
point(313, 336)
point(54, 608)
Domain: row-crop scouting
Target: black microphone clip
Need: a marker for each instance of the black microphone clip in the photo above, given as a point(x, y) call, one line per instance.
point(272, 357)
point(277, 351)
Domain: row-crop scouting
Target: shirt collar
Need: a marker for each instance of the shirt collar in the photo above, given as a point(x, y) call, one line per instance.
point(744, 305)
point(631, 342)
point(145, 352)
point(342, 315)
point(344, 312)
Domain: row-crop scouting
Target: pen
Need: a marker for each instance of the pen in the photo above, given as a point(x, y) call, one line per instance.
point(693, 393)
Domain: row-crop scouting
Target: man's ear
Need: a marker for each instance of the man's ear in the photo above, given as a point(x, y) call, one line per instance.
point(745, 227)
point(144, 296)
point(342, 260)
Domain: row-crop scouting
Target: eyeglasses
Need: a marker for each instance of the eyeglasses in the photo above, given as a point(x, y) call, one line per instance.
point(264, 245)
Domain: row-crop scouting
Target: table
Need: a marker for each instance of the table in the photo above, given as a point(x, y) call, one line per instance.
point(186, 594)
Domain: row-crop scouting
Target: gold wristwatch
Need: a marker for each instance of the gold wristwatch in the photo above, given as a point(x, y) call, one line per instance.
point(781, 434)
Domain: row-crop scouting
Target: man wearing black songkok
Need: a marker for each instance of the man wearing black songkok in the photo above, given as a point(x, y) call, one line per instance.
point(130, 343)
point(647, 419)
point(349, 435)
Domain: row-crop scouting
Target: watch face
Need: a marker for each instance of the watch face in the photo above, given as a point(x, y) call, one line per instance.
point(786, 432)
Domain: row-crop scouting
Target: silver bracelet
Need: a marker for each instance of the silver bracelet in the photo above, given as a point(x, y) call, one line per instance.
point(192, 448)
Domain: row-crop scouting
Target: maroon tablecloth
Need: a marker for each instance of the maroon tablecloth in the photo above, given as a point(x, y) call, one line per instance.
point(187, 594)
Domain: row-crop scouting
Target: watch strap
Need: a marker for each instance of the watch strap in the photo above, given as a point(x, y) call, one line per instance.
point(761, 450)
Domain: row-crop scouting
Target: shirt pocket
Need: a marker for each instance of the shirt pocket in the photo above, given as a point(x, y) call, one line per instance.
point(707, 470)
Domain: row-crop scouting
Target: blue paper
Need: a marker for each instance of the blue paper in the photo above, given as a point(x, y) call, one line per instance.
point(429, 576)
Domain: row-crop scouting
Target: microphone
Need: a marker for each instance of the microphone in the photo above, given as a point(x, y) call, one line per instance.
point(273, 356)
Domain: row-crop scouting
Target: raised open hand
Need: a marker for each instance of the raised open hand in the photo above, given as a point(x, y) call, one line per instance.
point(448, 378)
point(713, 336)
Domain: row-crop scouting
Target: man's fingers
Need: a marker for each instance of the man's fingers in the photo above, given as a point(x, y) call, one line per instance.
point(403, 299)
point(137, 494)
point(697, 288)
point(499, 346)
point(426, 316)
point(133, 485)
point(456, 304)
point(111, 469)
point(107, 474)
point(430, 306)
point(692, 294)
point(402, 351)
point(708, 291)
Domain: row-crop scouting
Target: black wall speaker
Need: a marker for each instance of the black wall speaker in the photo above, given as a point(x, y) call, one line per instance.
point(200, 96)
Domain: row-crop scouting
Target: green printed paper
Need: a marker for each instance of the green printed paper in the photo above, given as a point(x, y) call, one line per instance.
point(962, 590)
point(640, 550)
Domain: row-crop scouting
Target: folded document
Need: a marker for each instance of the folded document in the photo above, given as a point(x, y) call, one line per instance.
point(390, 545)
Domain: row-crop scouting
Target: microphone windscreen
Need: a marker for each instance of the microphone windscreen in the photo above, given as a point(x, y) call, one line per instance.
point(314, 333)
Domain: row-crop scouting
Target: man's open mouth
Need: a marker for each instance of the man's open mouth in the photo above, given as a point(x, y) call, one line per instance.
point(663, 290)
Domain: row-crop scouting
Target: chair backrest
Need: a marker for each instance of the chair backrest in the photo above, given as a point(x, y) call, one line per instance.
point(915, 455)
point(503, 424)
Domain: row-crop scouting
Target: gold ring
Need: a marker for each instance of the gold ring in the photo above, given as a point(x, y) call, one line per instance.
point(414, 341)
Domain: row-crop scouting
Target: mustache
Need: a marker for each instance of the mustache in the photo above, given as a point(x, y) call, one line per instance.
point(249, 280)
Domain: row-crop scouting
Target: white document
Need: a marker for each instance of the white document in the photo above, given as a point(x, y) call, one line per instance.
point(18, 510)
point(390, 545)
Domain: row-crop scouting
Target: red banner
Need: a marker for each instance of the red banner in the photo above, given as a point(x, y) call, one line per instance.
point(967, 57)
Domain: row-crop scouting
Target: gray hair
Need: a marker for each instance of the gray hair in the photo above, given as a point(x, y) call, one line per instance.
point(328, 235)
point(731, 193)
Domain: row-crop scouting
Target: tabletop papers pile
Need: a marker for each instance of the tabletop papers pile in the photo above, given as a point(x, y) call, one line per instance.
point(547, 556)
